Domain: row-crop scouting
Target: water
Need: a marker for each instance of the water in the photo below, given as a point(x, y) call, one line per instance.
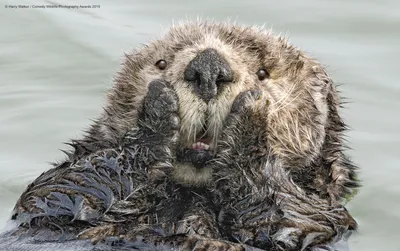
point(56, 64)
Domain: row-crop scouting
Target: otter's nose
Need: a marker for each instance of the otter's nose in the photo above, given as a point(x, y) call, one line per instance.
point(208, 70)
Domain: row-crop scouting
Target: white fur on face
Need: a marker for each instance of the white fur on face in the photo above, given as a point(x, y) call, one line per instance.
point(194, 112)
point(197, 115)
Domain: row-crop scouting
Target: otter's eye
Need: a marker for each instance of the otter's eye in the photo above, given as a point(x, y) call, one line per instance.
point(262, 74)
point(161, 64)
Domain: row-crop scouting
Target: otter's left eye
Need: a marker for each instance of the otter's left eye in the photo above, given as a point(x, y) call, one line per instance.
point(262, 74)
point(161, 64)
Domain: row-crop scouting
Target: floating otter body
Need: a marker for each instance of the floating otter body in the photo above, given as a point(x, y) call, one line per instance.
point(216, 137)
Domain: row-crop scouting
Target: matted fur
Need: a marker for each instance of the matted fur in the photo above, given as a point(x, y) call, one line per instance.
point(279, 169)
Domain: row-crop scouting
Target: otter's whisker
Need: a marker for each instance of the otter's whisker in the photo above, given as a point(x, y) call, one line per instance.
point(285, 105)
point(286, 95)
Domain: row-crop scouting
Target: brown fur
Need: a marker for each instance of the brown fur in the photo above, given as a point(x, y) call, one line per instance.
point(284, 153)
point(304, 123)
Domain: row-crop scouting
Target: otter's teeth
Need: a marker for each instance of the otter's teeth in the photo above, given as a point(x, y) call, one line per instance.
point(200, 146)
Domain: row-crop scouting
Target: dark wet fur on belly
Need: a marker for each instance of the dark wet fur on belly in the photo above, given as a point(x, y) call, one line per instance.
point(86, 191)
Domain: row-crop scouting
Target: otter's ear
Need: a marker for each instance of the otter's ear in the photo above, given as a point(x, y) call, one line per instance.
point(342, 181)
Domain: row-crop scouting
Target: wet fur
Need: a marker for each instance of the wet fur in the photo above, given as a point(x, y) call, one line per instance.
point(279, 178)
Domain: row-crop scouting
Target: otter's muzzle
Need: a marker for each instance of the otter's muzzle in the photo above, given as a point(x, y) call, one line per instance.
point(208, 71)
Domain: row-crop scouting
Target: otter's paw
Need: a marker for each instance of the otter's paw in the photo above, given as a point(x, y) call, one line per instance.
point(160, 108)
point(161, 103)
point(158, 122)
point(244, 130)
point(248, 113)
point(241, 145)
point(155, 138)
point(244, 101)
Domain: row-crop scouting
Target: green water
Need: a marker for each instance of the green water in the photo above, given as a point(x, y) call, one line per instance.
point(56, 64)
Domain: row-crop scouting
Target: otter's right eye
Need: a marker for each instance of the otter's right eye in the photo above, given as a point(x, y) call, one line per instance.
point(161, 64)
point(262, 74)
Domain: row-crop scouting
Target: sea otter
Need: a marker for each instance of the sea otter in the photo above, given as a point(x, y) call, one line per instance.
point(215, 137)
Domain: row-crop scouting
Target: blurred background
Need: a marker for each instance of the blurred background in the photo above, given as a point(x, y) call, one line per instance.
point(56, 65)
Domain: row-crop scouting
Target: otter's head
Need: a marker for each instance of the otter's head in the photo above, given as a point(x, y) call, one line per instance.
point(209, 65)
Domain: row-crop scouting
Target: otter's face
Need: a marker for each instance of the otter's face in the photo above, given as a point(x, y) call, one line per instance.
point(209, 65)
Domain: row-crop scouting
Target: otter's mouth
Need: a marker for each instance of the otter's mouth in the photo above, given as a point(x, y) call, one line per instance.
point(199, 152)
point(203, 141)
